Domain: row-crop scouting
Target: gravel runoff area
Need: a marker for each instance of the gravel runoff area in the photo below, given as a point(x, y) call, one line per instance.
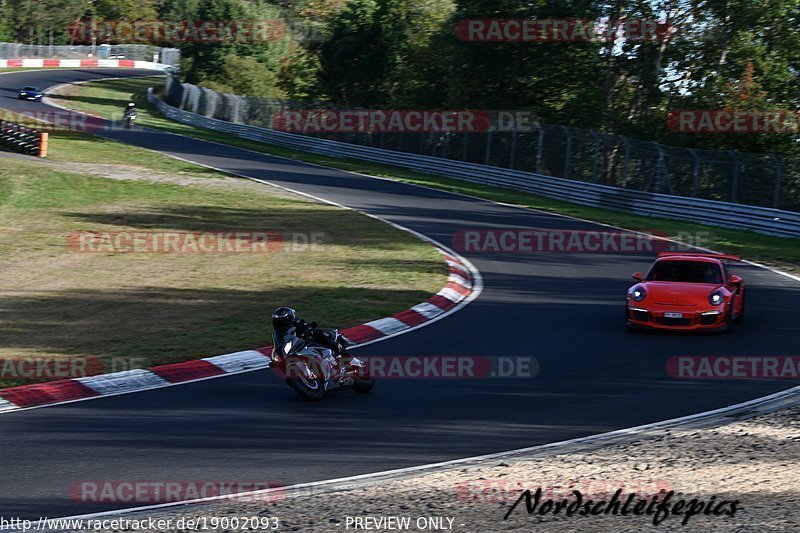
point(755, 463)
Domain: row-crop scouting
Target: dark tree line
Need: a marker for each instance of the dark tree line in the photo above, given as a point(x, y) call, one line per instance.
point(734, 54)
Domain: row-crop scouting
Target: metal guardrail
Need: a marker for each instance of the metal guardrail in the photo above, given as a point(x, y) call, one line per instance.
point(23, 140)
point(760, 219)
point(514, 140)
point(139, 52)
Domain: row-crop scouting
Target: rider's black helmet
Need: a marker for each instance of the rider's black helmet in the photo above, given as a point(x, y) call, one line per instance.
point(283, 318)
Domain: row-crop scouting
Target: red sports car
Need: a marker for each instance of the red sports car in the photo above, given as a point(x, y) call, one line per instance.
point(686, 292)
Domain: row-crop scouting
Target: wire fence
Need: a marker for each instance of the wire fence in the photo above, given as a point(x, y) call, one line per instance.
point(137, 52)
point(767, 180)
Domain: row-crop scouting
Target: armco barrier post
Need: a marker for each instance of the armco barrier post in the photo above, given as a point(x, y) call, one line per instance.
point(776, 194)
point(626, 161)
point(734, 177)
point(596, 160)
point(44, 139)
point(695, 173)
point(567, 152)
point(539, 147)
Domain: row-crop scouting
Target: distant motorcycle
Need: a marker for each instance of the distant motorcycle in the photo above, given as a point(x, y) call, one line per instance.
point(312, 369)
point(130, 119)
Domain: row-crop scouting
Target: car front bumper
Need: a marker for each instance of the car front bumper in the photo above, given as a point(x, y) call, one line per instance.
point(645, 317)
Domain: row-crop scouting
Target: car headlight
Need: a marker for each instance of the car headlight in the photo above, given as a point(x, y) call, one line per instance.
point(638, 293)
point(716, 298)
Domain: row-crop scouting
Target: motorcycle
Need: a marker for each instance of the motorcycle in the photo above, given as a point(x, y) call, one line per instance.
point(312, 369)
point(130, 118)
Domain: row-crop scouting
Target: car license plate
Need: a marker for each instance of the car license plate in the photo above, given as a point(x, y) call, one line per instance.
point(673, 315)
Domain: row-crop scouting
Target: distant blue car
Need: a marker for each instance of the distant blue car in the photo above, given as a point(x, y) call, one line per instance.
point(30, 93)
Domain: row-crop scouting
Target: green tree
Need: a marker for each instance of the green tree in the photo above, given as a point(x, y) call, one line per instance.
point(6, 28)
point(355, 59)
point(245, 76)
point(128, 10)
point(740, 54)
point(41, 22)
point(276, 66)
point(556, 80)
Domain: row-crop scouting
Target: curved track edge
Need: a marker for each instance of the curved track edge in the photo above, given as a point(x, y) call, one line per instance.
point(717, 417)
point(464, 284)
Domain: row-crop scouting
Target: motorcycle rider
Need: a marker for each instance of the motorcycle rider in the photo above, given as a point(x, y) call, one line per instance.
point(285, 318)
point(130, 110)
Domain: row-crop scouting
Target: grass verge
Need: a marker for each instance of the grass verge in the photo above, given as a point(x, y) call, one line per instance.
point(143, 309)
point(104, 97)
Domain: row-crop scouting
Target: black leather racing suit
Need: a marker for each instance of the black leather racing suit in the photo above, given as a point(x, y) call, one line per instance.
point(325, 337)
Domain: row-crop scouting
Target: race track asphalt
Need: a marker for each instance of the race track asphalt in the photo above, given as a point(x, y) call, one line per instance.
point(563, 309)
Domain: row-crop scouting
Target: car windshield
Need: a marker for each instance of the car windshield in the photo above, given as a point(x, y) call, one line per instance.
point(686, 272)
point(32, 89)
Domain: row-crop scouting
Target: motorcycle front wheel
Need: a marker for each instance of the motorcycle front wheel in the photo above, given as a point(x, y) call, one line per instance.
point(310, 388)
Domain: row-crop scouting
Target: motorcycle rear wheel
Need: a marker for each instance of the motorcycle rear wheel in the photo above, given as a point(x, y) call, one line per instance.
point(364, 383)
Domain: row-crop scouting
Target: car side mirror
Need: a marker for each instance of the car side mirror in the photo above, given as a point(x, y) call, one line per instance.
point(638, 276)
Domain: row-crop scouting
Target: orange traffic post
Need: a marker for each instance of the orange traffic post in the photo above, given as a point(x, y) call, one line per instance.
point(43, 140)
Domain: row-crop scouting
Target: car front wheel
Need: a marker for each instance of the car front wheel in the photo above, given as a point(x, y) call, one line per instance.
point(740, 316)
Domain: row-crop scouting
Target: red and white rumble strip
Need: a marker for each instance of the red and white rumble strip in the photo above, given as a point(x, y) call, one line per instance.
point(80, 63)
point(460, 285)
